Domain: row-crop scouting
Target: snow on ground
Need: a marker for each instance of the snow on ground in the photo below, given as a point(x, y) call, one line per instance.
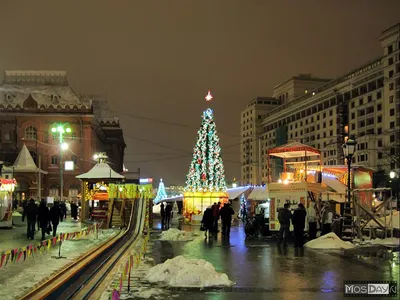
point(177, 219)
point(184, 272)
point(16, 214)
point(144, 293)
point(386, 242)
point(174, 234)
point(328, 241)
point(18, 278)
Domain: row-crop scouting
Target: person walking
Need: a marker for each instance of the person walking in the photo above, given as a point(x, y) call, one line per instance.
point(215, 214)
point(168, 210)
point(327, 217)
point(299, 222)
point(54, 216)
point(74, 210)
point(312, 220)
point(43, 218)
point(208, 221)
point(30, 212)
point(226, 213)
point(284, 217)
point(63, 208)
point(162, 213)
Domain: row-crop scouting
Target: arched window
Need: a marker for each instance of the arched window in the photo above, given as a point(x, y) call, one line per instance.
point(30, 133)
point(73, 190)
point(53, 190)
point(34, 156)
point(54, 160)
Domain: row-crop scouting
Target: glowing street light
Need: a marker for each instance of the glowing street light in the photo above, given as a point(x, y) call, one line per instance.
point(392, 174)
point(61, 128)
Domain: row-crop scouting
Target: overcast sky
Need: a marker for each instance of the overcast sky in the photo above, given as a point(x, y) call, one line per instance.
point(157, 59)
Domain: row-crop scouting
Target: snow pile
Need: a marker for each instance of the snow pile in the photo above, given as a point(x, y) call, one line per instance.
point(176, 219)
point(395, 219)
point(329, 241)
point(16, 214)
point(174, 234)
point(184, 272)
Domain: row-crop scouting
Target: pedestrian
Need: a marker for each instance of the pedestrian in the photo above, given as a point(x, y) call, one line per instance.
point(168, 210)
point(299, 222)
point(208, 221)
point(215, 213)
point(226, 213)
point(55, 215)
point(31, 212)
point(162, 213)
point(74, 210)
point(327, 217)
point(284, 217)
point(312, 220)
point(63, 208)
point(43, 218)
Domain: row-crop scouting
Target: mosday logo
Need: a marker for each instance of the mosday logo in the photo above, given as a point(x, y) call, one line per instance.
point(369, 288)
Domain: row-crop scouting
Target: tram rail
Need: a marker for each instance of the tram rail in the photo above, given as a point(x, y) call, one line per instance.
point(81, 279)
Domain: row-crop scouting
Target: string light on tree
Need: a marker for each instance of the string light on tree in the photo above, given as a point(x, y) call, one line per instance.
point(161, 194)
point(209, 97)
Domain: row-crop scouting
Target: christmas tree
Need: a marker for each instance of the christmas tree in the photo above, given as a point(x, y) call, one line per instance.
point(206, 171)
point(161, 194)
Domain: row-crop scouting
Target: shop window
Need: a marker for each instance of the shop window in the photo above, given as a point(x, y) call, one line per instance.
point(53, 190)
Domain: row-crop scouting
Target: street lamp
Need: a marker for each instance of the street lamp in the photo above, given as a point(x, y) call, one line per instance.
point(61, 128)
point(348, 149)
point(392, 174)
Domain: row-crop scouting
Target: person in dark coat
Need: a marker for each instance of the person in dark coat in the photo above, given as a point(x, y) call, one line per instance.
point(208, 221)
point(31, 212)
point(284, 217)
point(63, 208)
point(162, 213)
point(55, 215)
point(299, 222)
point(74, 210)
point(226, 213)
point(43, 217)
point(215, 212)
point(168, 210)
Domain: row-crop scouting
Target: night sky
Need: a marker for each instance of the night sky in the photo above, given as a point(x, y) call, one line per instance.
point(156, 60)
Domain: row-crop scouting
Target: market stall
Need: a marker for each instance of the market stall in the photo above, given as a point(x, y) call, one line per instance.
point(7, 187)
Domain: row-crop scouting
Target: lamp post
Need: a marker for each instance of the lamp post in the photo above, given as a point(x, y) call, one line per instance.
point(348, 149)
point(61, 128)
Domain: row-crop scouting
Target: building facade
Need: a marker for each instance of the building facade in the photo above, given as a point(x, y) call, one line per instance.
point(31, 104)
point(363, 103)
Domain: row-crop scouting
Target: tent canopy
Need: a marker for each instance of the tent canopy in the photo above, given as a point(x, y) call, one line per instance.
point(24, 163)
point(101, 171)
point(294, 150)
point(259, 193)
point(234, 193)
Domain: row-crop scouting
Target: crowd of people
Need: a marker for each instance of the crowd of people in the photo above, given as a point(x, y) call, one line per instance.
point(46, 219)
point(299, 218)
point(211, 217)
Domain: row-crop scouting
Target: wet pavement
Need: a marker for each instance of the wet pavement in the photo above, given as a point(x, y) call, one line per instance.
point(262, 270)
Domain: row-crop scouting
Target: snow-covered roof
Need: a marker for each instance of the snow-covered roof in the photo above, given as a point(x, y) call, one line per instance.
point(233, 193)
point(49, 89)
point(101, 171)
point(259, 193)
point(293, 150)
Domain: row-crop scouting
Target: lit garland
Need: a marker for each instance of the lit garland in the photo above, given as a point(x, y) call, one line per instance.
point(161, 194)
point(206, 171)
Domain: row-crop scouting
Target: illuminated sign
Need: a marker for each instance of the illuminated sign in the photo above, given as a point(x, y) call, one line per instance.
point(146, 180)
point(69, 165)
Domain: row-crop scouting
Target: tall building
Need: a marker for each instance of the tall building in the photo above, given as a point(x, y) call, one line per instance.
point(364, 103)
point(31, 103)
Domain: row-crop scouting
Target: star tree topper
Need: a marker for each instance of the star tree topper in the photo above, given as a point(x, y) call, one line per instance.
point(209, 97)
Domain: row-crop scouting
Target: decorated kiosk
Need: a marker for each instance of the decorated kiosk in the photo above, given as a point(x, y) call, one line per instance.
point(205, 181)
point(299, 181)
point(7, 187)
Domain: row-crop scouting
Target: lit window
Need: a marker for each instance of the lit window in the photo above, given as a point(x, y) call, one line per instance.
point(54, 160)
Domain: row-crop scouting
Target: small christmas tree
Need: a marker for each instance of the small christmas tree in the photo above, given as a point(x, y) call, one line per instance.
point(161, 194)
point(206, 171)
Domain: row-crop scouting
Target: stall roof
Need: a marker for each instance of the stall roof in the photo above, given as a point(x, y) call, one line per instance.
point(24, 163)
point(334, 184)
point(234, 193)
point(259, 193)
point(293, 150)
point(101, 171)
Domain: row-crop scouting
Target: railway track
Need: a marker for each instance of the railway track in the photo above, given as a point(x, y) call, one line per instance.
point(81, 279)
